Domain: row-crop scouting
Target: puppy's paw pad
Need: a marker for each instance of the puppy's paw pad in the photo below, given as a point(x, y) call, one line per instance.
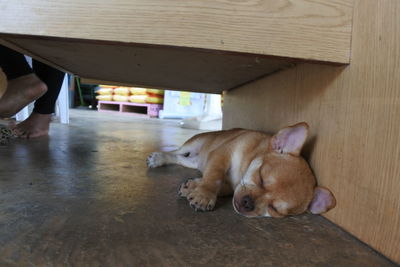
point(187, 187)
point(154, 160)
point(202, 200)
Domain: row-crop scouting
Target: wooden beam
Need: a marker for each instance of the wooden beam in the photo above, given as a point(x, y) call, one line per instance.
point(304, 29)
point(150, 66)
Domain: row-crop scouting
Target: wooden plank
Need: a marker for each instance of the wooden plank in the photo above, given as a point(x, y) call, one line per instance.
point(151, 66)
point(354, 115)
point(96, 81)
point(32, 54)
point(305, 29)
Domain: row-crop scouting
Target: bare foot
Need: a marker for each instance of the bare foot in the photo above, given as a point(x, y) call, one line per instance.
point(20, 92)
point(36, 125)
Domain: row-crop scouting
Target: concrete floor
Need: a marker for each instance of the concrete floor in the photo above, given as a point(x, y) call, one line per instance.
point(85, 198)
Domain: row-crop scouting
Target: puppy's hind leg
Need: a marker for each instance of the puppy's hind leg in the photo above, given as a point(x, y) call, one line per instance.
point(157, 159)
point(186, 155)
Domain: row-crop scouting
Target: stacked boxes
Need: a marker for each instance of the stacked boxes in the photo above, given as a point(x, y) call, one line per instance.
point(130, 94)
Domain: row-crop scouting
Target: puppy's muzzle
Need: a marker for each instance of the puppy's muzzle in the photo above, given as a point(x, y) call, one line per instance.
point(246, 204)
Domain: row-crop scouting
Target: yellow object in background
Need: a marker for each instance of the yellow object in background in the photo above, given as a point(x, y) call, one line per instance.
point(105, 91)
point(123, 91)
point(104, 97)
point(155, 91)
point(107, 86)
point(138, 91)
point(184, 99)
point(154, 99)
point(121, 98)
point(133, 94)
point(141, 99)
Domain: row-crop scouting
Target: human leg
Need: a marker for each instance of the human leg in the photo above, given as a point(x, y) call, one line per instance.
point(39, 121)
point(23, 85)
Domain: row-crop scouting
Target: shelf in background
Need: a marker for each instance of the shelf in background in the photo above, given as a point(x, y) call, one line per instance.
point(140, 110)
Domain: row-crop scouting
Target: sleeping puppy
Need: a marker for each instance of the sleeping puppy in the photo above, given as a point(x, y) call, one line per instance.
point(266, 174)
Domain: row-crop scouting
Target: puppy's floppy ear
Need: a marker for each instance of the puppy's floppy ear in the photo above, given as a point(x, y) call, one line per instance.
point(323, 200)
point(290, 139)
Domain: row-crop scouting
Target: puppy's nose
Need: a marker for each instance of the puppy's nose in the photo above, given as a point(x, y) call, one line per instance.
point(247, 203)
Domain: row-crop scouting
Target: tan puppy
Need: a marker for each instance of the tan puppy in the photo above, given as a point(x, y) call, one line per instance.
point(266, 174)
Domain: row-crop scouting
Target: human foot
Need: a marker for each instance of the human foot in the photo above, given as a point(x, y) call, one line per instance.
point(36, 125)
point(20, 92)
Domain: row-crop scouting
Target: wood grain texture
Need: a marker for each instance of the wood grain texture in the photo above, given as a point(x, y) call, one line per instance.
point(306, 29)
point(354, 115)
point(30, 53)
point(149, 66)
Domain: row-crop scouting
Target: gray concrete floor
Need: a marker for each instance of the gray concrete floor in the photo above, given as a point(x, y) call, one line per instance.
point(83, 197)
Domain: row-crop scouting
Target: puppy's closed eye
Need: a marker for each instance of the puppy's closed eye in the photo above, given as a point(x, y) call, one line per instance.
point(260, 178)
point(273, 208)
point(274, 212)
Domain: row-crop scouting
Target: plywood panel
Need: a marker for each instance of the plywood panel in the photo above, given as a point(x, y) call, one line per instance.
point(306, 29)
point(151, 66)
point(354, 113)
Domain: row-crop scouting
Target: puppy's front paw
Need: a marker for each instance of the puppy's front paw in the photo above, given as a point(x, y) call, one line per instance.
point(188, 186)
point(155, 159)
point(199, 198)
